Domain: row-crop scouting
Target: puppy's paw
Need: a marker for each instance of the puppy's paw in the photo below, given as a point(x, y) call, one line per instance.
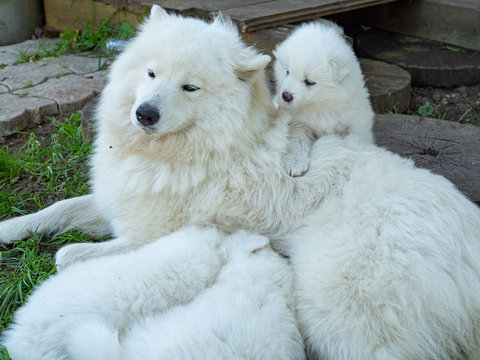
point(296, 164)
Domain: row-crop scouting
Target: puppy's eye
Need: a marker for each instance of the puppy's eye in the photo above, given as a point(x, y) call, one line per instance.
point(309, 82)
point(151, 74)
point(190, 88)
point(287, 72)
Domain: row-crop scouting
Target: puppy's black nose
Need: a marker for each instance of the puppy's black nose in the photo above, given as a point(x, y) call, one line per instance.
point(147, 114)
point(287, 97)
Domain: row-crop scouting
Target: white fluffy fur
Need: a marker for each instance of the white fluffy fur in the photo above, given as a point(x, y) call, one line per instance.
point(194, 294)
point(386, 256)
point(335, 101)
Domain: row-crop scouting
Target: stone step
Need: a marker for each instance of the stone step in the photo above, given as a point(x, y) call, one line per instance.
point(429, 62)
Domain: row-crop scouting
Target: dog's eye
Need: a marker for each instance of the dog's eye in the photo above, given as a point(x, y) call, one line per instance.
point(190, 88)
point(151, 74)
point(287, 72)
point(309, 82)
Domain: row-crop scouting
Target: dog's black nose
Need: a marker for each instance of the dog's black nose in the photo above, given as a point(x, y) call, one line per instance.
point(147, 114)
point(287, 97)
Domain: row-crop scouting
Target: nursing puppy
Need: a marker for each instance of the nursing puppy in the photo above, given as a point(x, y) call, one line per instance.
point(194, 294)
point(320, 83)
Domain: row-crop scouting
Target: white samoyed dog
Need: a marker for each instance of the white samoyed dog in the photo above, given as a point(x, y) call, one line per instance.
point(385, 255)
point(320, 83)
point(194, 294)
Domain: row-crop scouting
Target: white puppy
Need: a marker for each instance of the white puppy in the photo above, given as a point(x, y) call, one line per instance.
point(320, 83)
point(194, 294)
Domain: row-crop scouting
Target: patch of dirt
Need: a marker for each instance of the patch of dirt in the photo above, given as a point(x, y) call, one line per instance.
point(460, 104)
point(42, 130)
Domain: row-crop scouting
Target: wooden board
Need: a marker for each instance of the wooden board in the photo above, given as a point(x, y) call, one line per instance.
point(446, 148)
point(251, 15)
point(68, 14)
point(455, 22)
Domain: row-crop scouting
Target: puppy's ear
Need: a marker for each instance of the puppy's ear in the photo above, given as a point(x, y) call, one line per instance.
point(250, 66)
point(338, 70)
point(157, 12)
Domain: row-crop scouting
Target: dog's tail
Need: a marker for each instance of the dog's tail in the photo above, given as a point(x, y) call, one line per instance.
point(93, 340)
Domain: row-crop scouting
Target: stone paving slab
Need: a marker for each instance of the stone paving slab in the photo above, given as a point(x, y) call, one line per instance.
point(9, 53)
point(18, 112)
point(48, 87)
point(70, 92)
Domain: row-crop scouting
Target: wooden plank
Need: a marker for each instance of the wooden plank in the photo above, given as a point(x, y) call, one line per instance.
point(444, 147)
point(67, 14)
point(455, 22)
point(254, 14)
point(273, 13)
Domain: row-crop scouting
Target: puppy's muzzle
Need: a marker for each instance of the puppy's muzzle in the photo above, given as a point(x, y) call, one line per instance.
point(147, 114)
point(287, 97)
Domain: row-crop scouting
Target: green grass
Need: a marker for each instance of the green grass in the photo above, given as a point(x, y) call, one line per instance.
point(31, 178)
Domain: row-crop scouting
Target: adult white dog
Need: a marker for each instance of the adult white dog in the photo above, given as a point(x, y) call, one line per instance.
point(320, 83)
point(194, 294)
point(386, 256)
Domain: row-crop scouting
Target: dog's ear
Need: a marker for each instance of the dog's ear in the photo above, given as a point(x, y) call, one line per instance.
point(250, 66)
point(157, 12)
point(338, 70)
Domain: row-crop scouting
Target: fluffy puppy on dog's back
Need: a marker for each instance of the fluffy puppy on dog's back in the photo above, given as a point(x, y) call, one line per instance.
point(320, 83)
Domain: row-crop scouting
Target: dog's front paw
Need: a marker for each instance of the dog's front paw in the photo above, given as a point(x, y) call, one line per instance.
point(13, 229)
point(296, 165)
point(71, 254)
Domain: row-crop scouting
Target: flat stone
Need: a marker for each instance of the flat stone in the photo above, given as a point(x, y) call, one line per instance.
point(26, 75)
point(446, 148)
point(429, 62)
point(388, 85)
point(78, 64)
point(18, 111)
point(3, 89)
point(70, 92)
point(9, 54)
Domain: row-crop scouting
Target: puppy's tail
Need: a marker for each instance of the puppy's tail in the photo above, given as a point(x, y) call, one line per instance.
point(93, 340)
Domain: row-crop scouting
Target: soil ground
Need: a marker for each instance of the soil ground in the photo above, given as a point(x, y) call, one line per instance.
point(458, 104)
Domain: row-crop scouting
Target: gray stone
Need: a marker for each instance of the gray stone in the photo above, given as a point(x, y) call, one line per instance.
point(70, 92)
point(26, 75)
point(3, 89)
point(9, 54)
point(18, 111)
point(77, 64)
point(388, 85)
point(430, 63)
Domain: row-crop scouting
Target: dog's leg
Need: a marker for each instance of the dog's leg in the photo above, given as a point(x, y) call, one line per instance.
point(79, 212)
point(297, 160)
point(73, 253)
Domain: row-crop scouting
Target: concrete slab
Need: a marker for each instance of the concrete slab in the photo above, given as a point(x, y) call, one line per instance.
point(70, 92)
point(26, 75)
point(9, 54)
point(430, 63)
point(77, 64)
point(18, 111)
